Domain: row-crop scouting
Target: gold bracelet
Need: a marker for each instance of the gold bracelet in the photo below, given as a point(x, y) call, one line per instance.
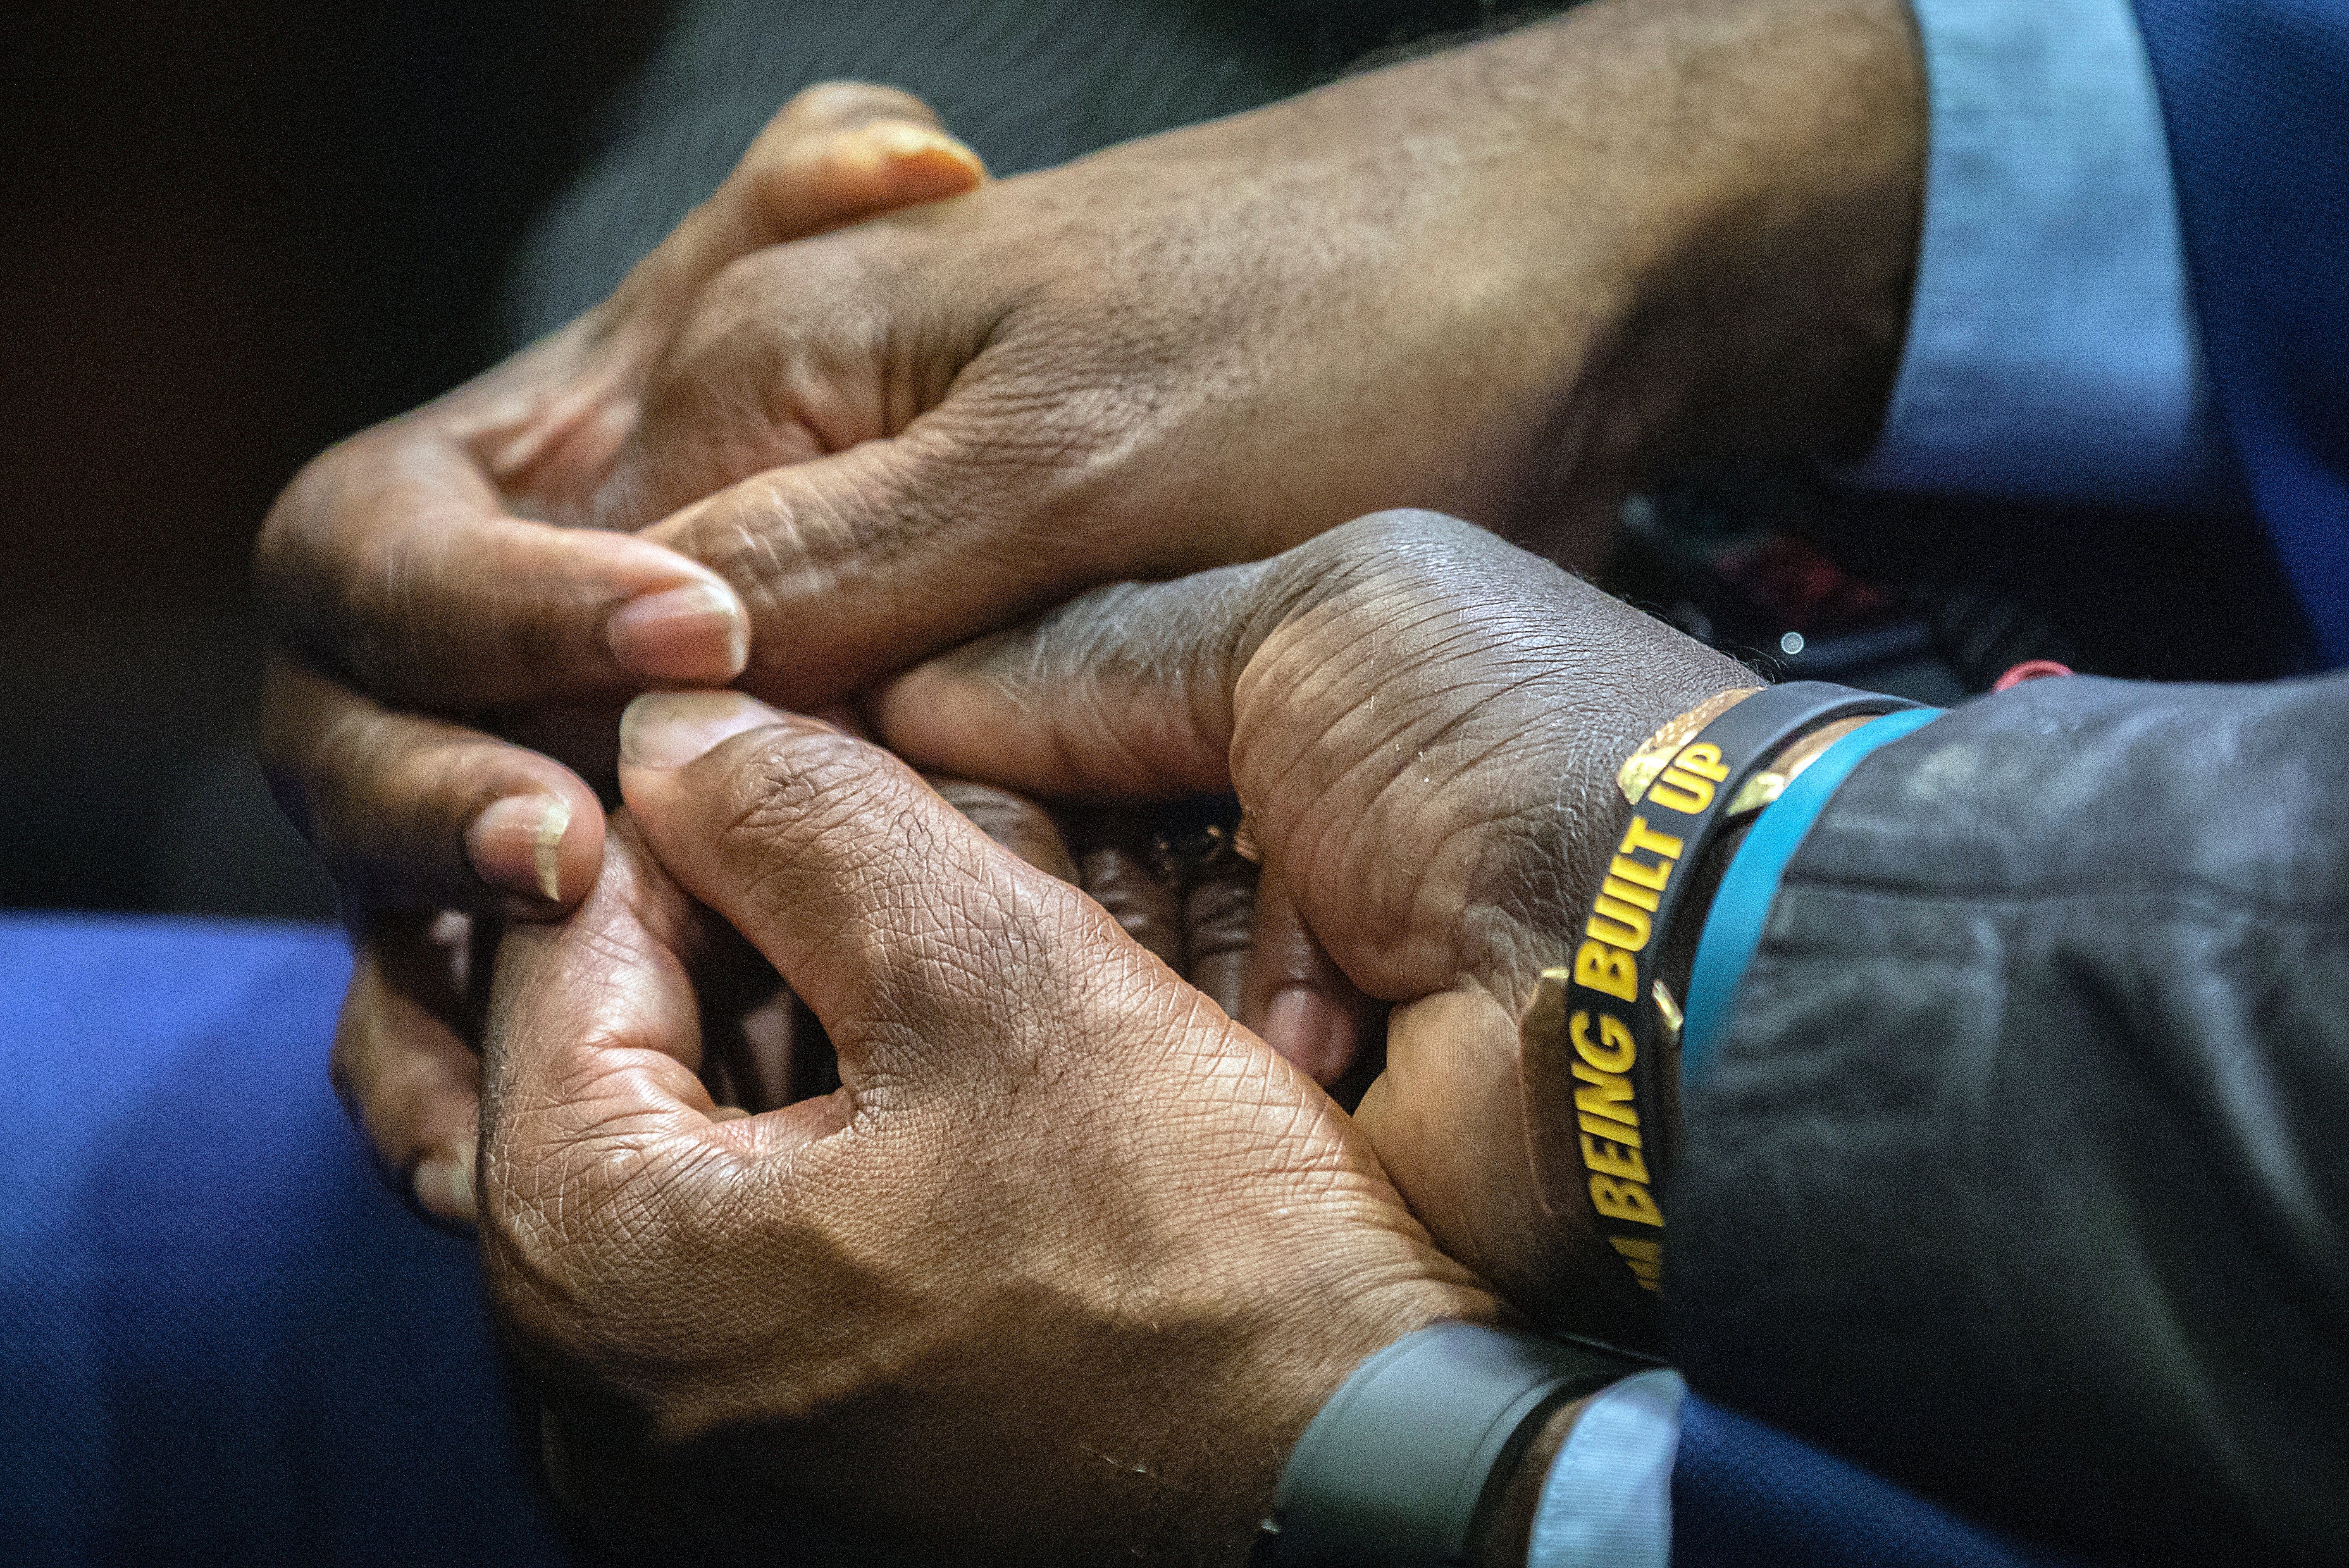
point(1656, 752)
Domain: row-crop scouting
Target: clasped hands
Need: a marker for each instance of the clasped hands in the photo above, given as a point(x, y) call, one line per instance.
point(1063, 1263)
point(1061, 1267)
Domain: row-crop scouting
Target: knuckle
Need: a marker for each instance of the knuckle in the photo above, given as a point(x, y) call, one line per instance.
point(760, 366)
point(295, 568)
point(733, 305)
point(1400, 528)
point(1399, 563)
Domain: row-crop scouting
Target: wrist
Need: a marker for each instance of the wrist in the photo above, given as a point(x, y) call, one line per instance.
point(1775, 228)
point(1601, 1043)
point(1506, 1536)
point(1680, 953)
point(1434, 1450)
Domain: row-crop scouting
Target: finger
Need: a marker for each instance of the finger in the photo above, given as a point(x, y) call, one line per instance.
point(1116, 865)
point(392, 560)
point(764, 1048)
point(396, 558)
point(1125, 692)
point(1018, 824)
point(783, 1055)
point(412, 814)
point(1295, 996)
point(1451, 1082)
point(837, 152)
point(403, 1070)
point(1219, 930)
point(871, 895)
point(593, 1036)
point(599, 1139)
point(749, 1036)
point(853, 562)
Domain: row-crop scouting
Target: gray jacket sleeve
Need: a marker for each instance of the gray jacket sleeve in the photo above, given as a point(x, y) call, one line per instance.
point(2023, 1176)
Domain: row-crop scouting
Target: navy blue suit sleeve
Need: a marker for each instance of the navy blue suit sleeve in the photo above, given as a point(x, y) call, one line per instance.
point(2255, 96)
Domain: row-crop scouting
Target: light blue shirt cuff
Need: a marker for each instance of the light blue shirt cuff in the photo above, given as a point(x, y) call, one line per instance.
point(2053, 350)
point(1608, 1500)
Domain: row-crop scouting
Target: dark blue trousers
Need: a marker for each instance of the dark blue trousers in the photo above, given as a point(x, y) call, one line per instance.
point(222, 1340)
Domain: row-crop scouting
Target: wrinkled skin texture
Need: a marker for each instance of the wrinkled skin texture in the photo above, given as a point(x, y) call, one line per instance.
point(1424, 725)
point(1506, 281)
point(404, 569)
point(1056, 1275)
point(761, 1048)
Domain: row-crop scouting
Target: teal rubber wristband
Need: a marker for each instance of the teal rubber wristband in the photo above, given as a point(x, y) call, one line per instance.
point(1398, 1468)
point(1732, 928)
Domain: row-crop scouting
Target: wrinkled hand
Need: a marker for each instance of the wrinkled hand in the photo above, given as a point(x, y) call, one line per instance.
point(1423, 724)
point(1057, 1273)
point(374, 718)
point(1501, 282)
point(761, 1047)
point(1505, 280)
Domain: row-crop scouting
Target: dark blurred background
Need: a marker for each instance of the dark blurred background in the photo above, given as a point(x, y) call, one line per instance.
point(235, 233)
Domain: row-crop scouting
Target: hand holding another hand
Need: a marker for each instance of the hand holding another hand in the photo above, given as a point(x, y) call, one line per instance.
point(1057, 1273)
point(1502, 280)
point(1423, 724)
point(426, 592)
point(1061, 1268)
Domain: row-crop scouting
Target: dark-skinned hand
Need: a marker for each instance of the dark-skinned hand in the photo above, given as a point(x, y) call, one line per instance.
point(370, 718)
point(1057, 1273)
point(1423, 724)
point(1506, 280)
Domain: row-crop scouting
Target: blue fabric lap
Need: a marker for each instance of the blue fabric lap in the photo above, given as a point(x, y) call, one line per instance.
point(221, 1339)
point(1748, 1496)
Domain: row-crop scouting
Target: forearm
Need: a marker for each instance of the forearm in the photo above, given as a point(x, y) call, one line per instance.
point(1743, 183)
point(1646, 230)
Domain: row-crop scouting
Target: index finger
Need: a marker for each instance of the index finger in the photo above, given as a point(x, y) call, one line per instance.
point(393, 559)
point(413, 558)
point(593, 1036)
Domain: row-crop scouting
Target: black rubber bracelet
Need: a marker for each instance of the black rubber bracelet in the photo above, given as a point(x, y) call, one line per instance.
point(1401, 1466)
point(1593, 1036)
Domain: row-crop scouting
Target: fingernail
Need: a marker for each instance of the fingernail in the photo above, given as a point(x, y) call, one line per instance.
point(516, 843)
point(670, 728)
point(904, 139)
point(1313, 1032)
point(444, 1185)
point(698, 633)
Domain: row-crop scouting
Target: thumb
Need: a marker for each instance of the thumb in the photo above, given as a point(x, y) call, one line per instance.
point(1123, 692)
point(838, 153)
point(893, 917)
